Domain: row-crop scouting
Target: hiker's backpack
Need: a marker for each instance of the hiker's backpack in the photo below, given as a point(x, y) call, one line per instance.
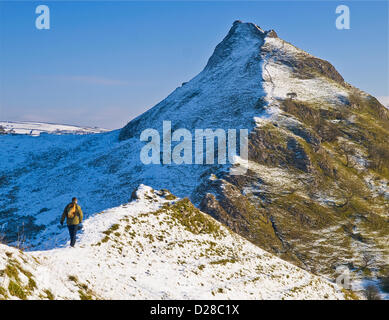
point(72, 210)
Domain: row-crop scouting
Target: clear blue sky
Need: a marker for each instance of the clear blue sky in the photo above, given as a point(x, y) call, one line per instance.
point(103, 63)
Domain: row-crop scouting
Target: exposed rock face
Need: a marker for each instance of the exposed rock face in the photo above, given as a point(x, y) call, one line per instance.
point(309, 67)
point(272, 34)
point(235, 39)
point(268, 147)
point(235, 210)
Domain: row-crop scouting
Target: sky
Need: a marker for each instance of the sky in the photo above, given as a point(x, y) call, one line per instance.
point(104, 63)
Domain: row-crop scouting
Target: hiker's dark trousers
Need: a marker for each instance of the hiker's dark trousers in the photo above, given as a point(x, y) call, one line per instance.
point(73, 232)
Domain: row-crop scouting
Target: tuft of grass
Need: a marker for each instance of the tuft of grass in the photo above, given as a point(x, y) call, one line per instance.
point(73, 278)
point(224, 261)
point(15, 287)
point(105, 239)
point(111, 229)
point(12, 272)
point(350, 295)
point(49, 294)
point(31, 286)
point(84, 295)
point(3, 292)
point(16, 290)
point(170, 197)
point(84, 292)
point(192, 219)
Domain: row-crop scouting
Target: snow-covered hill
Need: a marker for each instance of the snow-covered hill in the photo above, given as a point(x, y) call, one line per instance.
point(36, 128)
point(156, 248)
point(40, 175)
point(315, 192)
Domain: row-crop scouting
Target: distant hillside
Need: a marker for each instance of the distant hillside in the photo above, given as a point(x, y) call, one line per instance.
point(36, 128)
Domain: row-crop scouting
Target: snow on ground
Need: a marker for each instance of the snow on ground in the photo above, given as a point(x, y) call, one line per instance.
point(156, 248)
point(280, 79)
point(379, 187)
point(39, 175)
point(36, 128)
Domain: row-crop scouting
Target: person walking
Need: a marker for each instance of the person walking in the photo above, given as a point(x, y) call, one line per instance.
point(74, 216)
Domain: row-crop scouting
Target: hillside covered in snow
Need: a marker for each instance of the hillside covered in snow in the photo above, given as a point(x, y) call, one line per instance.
point(316, 190)
point(36, 128)
point(156, 247)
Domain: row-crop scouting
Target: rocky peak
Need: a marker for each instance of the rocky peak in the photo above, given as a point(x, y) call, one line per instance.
point(272, 34)
point(240, 39)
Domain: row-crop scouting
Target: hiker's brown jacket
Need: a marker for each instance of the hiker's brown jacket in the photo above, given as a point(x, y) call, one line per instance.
point(78, 216)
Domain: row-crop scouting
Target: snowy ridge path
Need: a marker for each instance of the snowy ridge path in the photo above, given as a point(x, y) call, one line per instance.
point(156, 247)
